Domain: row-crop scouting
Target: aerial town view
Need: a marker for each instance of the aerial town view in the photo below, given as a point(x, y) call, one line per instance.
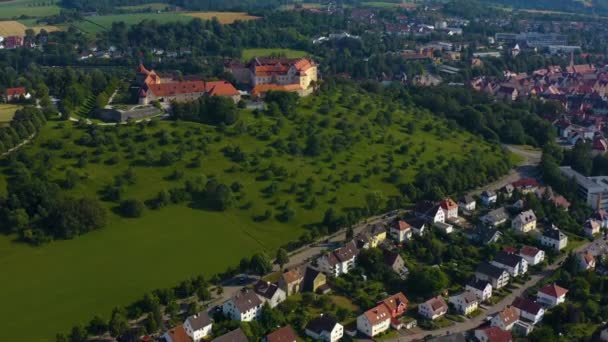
point(303, 170)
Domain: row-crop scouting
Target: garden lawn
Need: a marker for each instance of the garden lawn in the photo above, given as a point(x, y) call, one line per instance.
point(55, 286)
point(32, 8)
point(248, 54)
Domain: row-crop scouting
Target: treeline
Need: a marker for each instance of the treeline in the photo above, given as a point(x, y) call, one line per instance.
point(26, 122)
point(213, 110)
point(519, 122)
point(34, 206)
point(109, 6)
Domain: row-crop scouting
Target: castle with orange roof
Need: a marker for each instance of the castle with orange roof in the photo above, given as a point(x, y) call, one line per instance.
point(154, 87)
point(276, 74)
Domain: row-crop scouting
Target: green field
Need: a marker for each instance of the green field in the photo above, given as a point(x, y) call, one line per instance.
point(157, 6)
point(101, 23)
point(64, 283)
point(32, 8)
point(289, 53)
point(6, 112)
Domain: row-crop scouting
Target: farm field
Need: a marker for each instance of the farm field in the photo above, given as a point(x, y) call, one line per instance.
point(6, 112)
point(289, 53)
point(157, 6)
point(32, 8)
point(100, 23)
point(223, 17)
point(16, 28)
point(67, 282)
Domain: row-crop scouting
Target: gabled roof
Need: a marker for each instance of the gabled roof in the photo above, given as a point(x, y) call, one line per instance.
point(553, 290)
point(468, 297)
point(284, 334)
point(17, 91)
point(401, 225)
point(236, 335)
point(526, 217)
point(495, 334)
point(246, 300)
point(199, 321)
point(478, 284)
point(437, 304)
point(527, 305)
point(378, 314)
point(347, 252)
point(292, 276)
point(496, 215)
point(390, 257)
point(393, 302)
point(176, 88)
point(587, 257)
point(447, 204)
point(529, 251)
point(309, 277)
point(511, 260)
point(321, 324)
point(490, 270)
point(509, 315)
point(178, 334)
point(265, 289)
point(466, 199)
point(553, 233)
point(525, 183)
point(220, 88)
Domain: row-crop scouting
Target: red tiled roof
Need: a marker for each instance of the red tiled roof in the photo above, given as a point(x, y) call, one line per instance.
point(448, 203)
point(495, 334)
point(17, 91)
point(401, 225)
point(178, 334)
point(378, 314)
point(176, 88)
point(553, 290)
point(220, 88)
point(529, 251)
point(284, 334)
point(527, 305)
point(509, 315)
point(525, 183)
point(509, 249)
point(393, 302)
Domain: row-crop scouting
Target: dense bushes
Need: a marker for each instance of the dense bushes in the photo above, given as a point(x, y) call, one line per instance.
point(26, 122)
point(213, 110)
point(37, 211)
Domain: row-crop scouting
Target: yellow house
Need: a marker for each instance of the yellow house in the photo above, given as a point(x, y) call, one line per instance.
point(372, 236)
point(524, 222)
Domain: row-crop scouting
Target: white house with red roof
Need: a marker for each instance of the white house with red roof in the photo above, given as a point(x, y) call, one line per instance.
point(14, 94)
point(493, 334)
point(400, 231)
point(532, 255)
point(433, 308)
point(529, 310)
point(449, 207)
point(506, 318)
point(551, 295)
point(375, 321)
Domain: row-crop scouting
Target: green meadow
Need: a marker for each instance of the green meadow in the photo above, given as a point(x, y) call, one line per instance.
point(32, 8)
point(55, 286)
point(289, 53)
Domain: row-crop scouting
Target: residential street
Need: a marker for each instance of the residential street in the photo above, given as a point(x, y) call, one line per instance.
point(308, 252)
point(492, 310)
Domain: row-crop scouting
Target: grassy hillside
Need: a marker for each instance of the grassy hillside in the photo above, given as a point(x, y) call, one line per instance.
point(16, 8)
point(66, 282)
